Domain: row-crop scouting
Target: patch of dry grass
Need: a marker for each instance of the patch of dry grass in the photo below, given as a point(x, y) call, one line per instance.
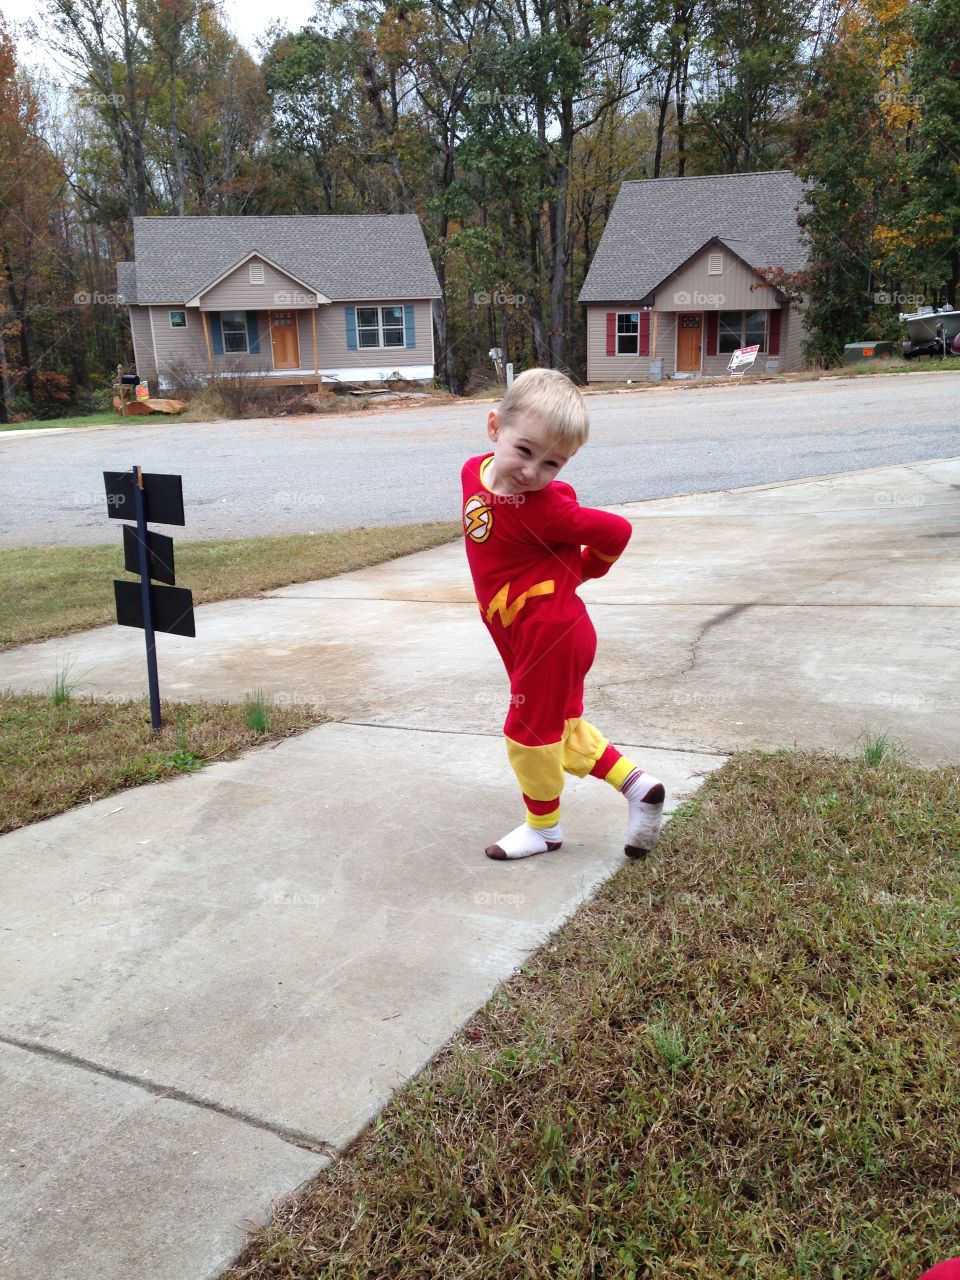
point(55, 757)
point(52, 591)
point(739, 1060)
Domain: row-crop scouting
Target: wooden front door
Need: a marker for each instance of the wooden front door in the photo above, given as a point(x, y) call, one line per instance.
point(283, 338)
point(689, 341)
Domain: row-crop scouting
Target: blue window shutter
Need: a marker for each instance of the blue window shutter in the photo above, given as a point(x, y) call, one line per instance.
point(216, 333)
point(253, 333)
point(409, 330)
point(351, 314)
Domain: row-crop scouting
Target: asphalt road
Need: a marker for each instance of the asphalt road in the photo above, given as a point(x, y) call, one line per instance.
point(247, 479)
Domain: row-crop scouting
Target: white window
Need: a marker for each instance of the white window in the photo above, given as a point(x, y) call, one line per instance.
point(256, 273)
point(178, 319)
point(628, 333)
point(742, 329)
point(234, 327)
point(391, 320)
point(715, 264)
point(380, 326)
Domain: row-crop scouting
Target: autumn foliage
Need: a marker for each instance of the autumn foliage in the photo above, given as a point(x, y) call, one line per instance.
point(508, 129)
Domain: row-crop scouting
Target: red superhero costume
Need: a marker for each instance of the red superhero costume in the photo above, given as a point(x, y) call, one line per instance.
point(528, 553)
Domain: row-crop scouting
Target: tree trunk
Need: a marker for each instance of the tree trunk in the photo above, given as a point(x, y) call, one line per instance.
point(4, 379)
point(136, 124)
point(663, 106)
point(178, 176)
point(447, 366)
point(682, 82)
point(19, 306)
point(540, 344)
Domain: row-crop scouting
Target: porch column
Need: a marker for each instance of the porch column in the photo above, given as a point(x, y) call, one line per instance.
point(316, 359)
point(206, 335)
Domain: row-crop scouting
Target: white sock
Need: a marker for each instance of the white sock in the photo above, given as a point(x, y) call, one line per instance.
point(525, 841)
point(644, 816)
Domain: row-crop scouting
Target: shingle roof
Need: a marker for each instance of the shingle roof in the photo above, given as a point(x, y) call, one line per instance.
point(344, 256)
point(127, 281)
point(659, 223)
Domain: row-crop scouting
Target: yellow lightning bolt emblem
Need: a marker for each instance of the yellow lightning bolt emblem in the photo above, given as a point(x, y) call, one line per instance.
point(477, 519)
point(508, 612)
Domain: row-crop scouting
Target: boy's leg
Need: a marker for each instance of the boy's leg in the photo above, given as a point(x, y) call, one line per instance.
point(538, 764)
point(645, 796)
point(534, 732)
point(586, 750)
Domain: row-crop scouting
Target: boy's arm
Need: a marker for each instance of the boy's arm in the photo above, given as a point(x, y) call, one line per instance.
point(602, 535)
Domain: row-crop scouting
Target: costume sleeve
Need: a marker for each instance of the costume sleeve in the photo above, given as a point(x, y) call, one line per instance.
point(602, 535)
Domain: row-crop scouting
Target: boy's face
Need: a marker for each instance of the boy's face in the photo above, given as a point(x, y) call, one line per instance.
point(526, 457)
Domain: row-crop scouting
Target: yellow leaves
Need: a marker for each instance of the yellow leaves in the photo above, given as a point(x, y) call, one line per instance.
point(900, 110)
point(889, 240)
point(879, 32)
point(888, 12)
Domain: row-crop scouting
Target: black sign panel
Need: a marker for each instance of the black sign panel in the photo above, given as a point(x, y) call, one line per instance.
point(159, 551)
point(162, 495)
point(172, 607)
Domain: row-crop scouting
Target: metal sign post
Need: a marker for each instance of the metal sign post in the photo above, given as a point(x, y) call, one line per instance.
point(134, 494)
point(140, 508)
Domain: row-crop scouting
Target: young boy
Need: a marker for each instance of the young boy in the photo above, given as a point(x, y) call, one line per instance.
point(529, 546)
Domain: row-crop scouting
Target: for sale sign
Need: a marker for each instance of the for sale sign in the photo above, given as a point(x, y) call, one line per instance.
point(743, 357)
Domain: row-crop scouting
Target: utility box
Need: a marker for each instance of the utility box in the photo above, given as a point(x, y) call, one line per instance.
point(656, 370)
point(856, 352)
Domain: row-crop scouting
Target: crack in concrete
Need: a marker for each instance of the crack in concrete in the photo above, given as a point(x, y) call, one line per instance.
point(480, 733)
point(296, 1137)
point(717, 620)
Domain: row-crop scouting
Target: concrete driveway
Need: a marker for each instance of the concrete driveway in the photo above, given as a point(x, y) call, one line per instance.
point(212, 985)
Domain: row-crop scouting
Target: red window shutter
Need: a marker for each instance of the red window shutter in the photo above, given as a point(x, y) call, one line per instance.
point(713, 328)
point(773, 333)
point(611, 333)
point(644, 343)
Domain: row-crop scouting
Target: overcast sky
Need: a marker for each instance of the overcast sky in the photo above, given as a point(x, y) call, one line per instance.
point(247, 21)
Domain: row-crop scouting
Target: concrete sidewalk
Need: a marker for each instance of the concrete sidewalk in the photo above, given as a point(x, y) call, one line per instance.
point(213, 984)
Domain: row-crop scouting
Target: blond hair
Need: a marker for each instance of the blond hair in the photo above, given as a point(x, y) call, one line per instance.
point(550, 396)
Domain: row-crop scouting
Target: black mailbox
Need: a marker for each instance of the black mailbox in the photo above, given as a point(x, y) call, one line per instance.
point(129, 379)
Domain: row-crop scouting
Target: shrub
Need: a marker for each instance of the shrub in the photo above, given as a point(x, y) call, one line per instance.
point(239, 387)
point(51, 394)
point(205, 405)
point(92, 400)
point(183, 381)
point(19, 408)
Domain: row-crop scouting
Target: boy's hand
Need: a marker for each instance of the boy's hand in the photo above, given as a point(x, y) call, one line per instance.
point(593, 564)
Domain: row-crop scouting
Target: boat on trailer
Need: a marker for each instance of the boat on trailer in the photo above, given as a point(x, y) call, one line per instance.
point(922, 324)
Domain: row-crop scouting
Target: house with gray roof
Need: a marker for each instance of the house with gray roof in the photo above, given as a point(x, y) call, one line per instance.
point(675, 277)
point(297, 299)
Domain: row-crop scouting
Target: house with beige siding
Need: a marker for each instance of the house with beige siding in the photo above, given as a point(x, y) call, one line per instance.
point(677, 277)
point(294, 299)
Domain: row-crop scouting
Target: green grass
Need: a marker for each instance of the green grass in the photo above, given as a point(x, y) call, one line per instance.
point(63, 687)
point(737, 1061)
point(57, 755)
point(877, 747)
point(83, 420)
point(896, 365)
point(257, 712)
point(50, 591)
